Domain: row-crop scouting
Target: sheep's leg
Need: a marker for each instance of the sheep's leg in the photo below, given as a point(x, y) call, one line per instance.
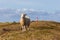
point(27, 28)
point(23, 28)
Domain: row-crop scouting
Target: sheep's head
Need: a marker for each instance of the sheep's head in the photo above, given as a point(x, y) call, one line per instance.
point(23, 15)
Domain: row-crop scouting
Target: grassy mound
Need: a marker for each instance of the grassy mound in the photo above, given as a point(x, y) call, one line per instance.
point(42, 30)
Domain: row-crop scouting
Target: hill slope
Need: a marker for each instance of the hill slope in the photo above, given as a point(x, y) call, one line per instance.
point(42, 30)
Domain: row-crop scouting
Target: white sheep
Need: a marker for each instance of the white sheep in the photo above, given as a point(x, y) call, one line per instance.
point(24, 22)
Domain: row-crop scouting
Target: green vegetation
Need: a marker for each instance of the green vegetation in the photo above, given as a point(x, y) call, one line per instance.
point(42, 30)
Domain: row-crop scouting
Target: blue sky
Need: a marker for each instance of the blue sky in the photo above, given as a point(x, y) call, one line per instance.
point(49, 5)
point(11, 8)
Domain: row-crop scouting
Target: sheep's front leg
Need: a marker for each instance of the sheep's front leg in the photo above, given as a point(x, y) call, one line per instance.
point(23, 28)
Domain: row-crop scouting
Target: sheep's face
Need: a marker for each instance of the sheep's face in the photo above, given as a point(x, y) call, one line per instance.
point(23, 15)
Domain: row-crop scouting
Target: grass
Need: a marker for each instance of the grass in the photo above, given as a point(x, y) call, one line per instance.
point(42, 30)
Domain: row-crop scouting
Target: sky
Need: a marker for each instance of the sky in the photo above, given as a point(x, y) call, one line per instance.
point(10, 9)
point(48, 5)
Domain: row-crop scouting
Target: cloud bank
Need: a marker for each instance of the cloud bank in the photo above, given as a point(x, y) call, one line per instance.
point(10, 15)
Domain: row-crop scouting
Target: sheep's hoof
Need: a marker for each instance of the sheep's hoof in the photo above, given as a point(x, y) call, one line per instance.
point(23, 30)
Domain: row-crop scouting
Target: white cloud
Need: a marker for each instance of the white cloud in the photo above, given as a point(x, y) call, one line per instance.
point(18, 10)
point(24, 9)
point(6, 13)
point(31, 10)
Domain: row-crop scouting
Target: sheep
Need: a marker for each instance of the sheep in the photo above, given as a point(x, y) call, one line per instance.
point(24, 22)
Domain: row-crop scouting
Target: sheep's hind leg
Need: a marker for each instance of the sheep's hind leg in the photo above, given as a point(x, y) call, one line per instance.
point(27, 28)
